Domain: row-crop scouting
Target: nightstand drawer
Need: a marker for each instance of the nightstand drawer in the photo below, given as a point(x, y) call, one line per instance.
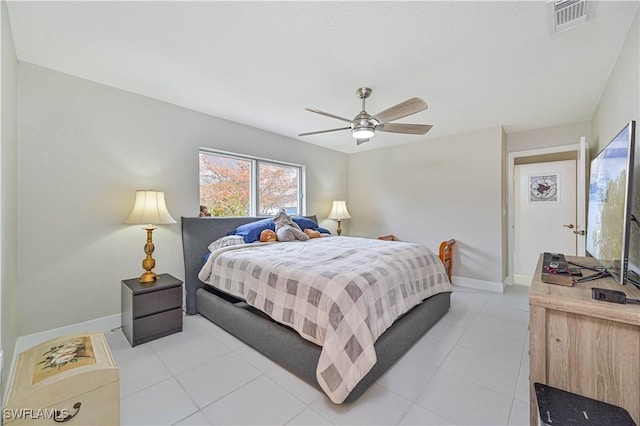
point(157, 301)
point(154, 326)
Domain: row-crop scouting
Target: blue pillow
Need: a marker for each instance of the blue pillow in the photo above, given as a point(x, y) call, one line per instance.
point(323, 230)
point(304, 223)
point(250, 232)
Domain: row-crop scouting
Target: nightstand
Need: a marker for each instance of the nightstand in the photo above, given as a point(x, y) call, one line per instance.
point(151, 310)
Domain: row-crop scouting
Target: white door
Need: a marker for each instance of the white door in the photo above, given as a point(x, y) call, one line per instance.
point(545, 214)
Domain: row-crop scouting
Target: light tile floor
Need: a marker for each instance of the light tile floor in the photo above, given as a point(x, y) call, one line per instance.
point(470, 368)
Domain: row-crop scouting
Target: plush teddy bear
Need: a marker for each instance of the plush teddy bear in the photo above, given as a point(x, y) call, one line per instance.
point(287, 229)
point(268, 236)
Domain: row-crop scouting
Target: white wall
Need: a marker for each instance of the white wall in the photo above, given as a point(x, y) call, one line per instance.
point(433, 190)
point(620, 102)
point(84, 149)
point(8, 194)
point(561, 135)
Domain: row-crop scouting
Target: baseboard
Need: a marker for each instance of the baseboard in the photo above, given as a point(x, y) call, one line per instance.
point(521, 279)
point(104, 324)
point(478, 284)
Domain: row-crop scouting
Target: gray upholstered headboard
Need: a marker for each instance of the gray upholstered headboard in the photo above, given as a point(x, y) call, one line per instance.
point(197, 234)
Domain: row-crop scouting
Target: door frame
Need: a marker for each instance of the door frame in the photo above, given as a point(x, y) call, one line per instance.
point(581, 201)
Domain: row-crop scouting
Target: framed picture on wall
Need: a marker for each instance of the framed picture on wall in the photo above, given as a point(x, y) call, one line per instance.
point(544, 188)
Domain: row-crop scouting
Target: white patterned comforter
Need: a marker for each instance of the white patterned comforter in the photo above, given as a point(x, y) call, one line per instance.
point(340, 293)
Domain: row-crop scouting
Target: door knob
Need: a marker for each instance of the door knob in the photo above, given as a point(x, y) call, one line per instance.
point(581, 232)
point(570, 226)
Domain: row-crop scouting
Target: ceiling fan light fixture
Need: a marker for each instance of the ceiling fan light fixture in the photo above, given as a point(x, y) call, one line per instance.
point(364, 125)
point(363, 132)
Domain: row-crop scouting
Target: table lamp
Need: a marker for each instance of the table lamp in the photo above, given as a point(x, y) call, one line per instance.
point(339, 211)
point(149, 208)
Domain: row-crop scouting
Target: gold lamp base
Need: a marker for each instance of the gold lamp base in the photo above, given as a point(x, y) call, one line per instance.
point(339, 229)
point(147, 277)
point(149, 262)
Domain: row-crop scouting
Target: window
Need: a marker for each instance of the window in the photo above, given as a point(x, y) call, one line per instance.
point(234, 185)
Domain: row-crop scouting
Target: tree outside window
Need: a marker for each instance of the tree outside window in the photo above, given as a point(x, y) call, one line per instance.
point(277, 188)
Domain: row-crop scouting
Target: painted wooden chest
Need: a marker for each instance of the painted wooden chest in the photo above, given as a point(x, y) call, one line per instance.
point(71, 379)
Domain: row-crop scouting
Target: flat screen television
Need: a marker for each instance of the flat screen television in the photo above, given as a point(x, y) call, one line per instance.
point(609, 208)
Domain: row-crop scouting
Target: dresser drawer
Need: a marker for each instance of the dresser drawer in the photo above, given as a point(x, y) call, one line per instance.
point(157, 301)
point(155, 326)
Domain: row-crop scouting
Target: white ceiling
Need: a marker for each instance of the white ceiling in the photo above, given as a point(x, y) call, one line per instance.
point(476, 64)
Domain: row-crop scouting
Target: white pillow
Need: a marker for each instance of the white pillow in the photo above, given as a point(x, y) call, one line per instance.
point(229, 240)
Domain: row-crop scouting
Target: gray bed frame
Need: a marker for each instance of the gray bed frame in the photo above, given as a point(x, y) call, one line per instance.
point(277, 342)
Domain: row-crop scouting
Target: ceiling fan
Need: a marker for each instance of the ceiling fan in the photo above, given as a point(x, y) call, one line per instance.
point(363, 126)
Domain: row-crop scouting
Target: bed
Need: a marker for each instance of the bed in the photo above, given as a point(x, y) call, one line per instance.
point(282, 343)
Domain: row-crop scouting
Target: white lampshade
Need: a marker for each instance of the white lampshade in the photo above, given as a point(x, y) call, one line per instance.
point(149, 208)
point(339, 211)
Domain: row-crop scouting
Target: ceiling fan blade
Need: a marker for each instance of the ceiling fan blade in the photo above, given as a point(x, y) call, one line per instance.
point(414, 129)
point(317, 111)
point(403, 109)
point(361, 141)
point(324, 131)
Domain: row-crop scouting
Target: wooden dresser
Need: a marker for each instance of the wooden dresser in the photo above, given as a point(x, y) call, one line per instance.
point(584, 346)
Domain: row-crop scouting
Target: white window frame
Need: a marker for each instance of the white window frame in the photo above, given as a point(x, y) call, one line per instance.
point(255, 161)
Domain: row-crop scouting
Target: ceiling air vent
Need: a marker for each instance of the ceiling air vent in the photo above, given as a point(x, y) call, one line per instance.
point(568, 14)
